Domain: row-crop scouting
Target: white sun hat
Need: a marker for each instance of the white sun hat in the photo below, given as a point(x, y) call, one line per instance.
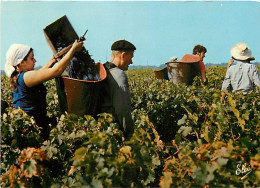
point(14, 56)
point(172, 59)
point(241, 51)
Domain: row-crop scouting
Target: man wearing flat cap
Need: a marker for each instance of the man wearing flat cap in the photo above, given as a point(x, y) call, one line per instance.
point(241, 74)
point(116, 94)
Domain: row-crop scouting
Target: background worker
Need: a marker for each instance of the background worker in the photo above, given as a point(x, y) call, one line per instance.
point(116, 92)
point(28, 90)
point(241, 75)
point(200, 51)
point(172, 59)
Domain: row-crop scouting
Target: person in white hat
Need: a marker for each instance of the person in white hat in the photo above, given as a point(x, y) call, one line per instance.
point(28, 90)
point(172, 59)
point(241, 74)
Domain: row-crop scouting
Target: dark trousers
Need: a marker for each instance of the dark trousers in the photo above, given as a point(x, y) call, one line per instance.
point(43, 121)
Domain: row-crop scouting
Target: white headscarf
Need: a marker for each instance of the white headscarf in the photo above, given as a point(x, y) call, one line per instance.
point(14, 56)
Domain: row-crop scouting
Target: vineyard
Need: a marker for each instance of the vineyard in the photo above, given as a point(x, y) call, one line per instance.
point(184, 137)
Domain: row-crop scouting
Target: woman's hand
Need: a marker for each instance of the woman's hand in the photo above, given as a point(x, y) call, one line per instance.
point(50, 63)
point(77, 46)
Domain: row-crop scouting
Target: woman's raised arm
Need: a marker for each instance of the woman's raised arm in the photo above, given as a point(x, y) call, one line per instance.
point(35, 77)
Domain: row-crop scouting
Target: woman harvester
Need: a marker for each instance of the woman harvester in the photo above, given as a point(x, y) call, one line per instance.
point(28, 90)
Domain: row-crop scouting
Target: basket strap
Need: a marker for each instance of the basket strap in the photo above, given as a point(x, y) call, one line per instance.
point(109, 65)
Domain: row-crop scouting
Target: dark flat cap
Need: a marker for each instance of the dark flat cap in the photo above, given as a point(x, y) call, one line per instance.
point(122, 45)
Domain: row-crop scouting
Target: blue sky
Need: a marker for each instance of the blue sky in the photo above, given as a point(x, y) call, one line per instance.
point(158, 29)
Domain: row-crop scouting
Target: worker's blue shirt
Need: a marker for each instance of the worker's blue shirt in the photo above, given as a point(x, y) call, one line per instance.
point(31, 100)
point(242, 77)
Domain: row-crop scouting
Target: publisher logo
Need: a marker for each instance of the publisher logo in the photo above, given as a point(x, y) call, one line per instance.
point(243, 169)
